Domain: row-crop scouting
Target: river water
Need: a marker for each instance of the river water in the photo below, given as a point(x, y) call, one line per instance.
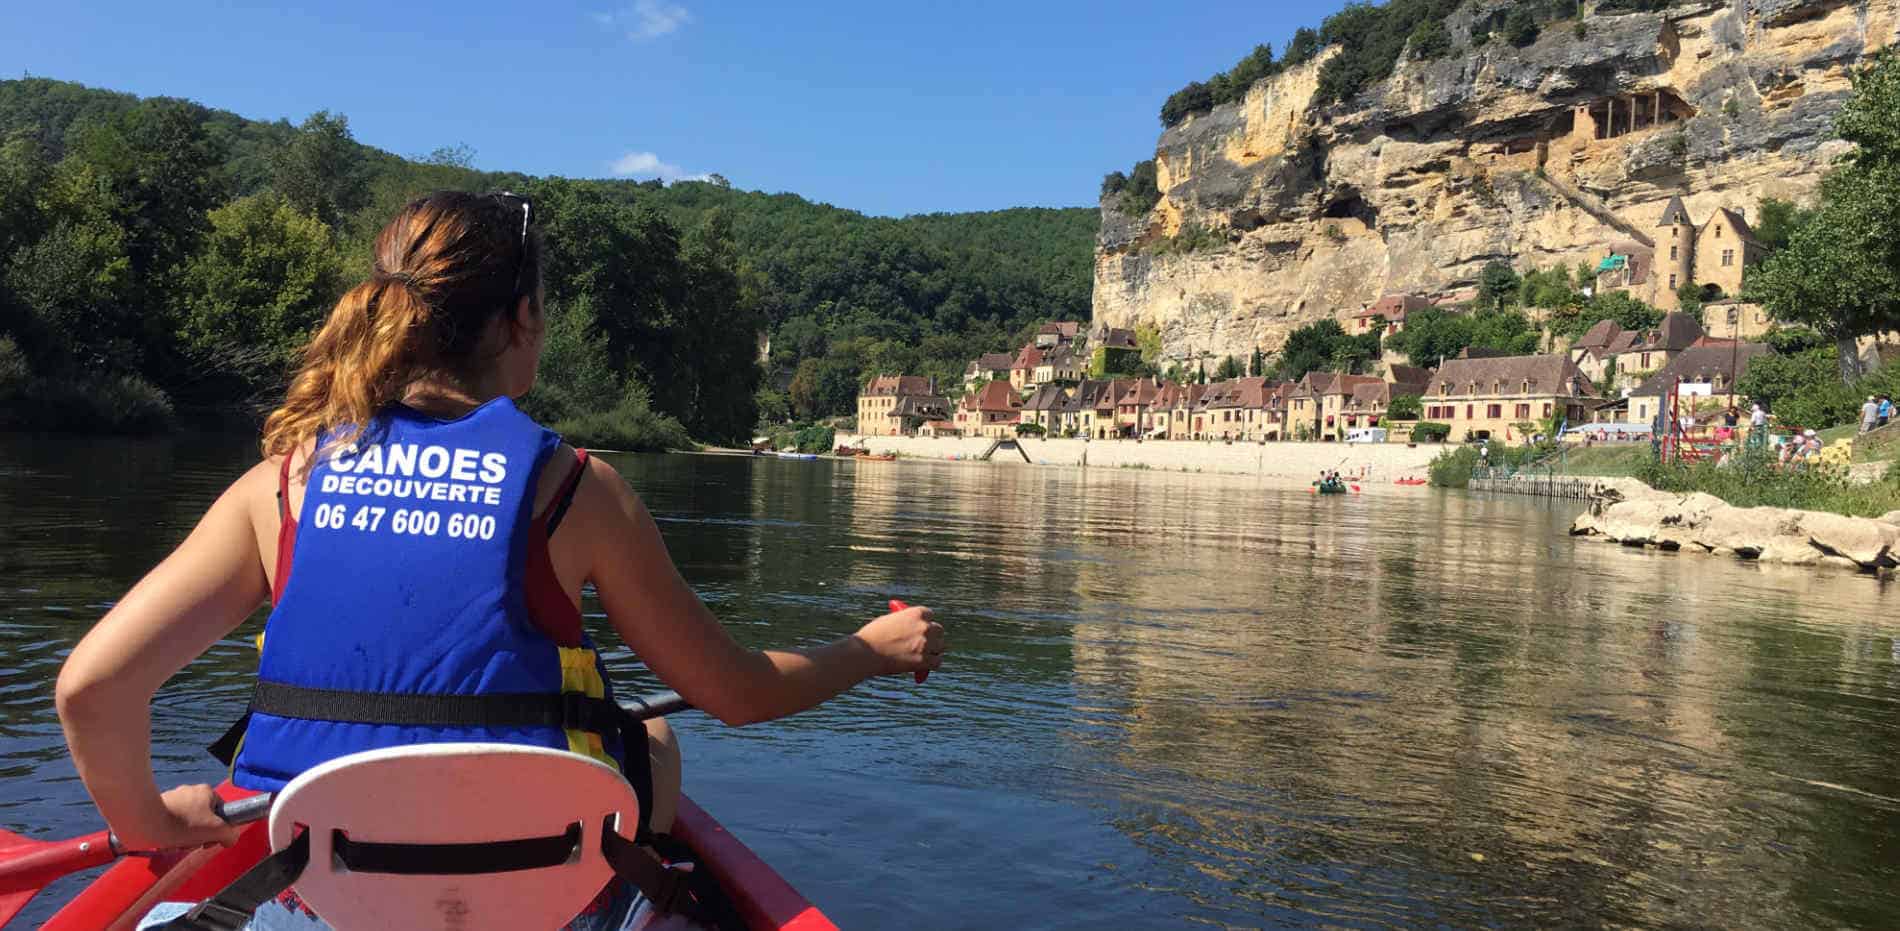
point(1175, 701)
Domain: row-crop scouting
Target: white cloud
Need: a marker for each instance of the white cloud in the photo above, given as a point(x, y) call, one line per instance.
point(649, 165)
point(646, 19)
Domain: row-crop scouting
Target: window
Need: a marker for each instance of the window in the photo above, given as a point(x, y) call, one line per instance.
point(1672, 254)
point(1728, 257)
point(1718, 232)
point(1522, 412)
point(1672, 281)
point(1674, 232)
point(1734, 315)
point(1468, 411)
point(1645, 360)
point(1494, 411)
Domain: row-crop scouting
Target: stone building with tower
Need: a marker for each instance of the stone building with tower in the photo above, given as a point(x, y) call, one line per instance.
point(1710, 255)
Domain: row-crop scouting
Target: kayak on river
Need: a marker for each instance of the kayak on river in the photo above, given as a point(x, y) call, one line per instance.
point(408, 621)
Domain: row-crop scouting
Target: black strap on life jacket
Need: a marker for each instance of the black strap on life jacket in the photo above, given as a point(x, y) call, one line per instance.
point(564, 710)
point(231, 908)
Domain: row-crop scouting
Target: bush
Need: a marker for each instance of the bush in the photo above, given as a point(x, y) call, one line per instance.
point(110, 404)
point(1426, 431)
point(806, 438)
point(1404, 407)
point(629, 426)
point(1452, 468)
point(1139, 193)
point(1030, 429)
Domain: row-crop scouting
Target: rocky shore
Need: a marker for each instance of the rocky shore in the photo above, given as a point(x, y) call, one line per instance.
point(1629, 512)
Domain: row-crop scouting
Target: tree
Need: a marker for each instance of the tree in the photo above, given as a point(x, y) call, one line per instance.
point(1323, 345)
point(1230, 367)
point(1689, 299)
point(320, 171)
point(1778, 219)
point(1429, 40)
point(1497, 285)
point(1148, 342)
point(1302, 48)
point(1257, 365)
point(1520, 26)
point(1404, 407)
point(267, 275)
point(1840, 272)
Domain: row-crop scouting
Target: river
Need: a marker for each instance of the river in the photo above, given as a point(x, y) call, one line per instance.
point(1175, 700)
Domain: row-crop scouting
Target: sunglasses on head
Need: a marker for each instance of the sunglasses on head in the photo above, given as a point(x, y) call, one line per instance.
point(527, 214)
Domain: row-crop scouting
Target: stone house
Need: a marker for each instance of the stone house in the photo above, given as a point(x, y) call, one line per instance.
point(1061, 333)
point(939, 428)
point(1059, 365)
point(1704, 378)
point(987, 368)
point(1733, 318)
point(1594, 352)
point(896, 405)
point(1393, 307)
point(992, 411)
point(1183, 404)
point(1133, 405)
point(1654, 349)
point(1488, 398)
point(1022, 371)
point(1711, 255)
point(1078, 414)
point(1045, 406)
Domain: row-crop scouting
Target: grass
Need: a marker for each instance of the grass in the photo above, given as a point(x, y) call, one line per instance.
point(1753, 480)
point(1608, 460)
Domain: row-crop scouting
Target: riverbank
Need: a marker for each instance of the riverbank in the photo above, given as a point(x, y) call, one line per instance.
point(1374, 462)
point(1626, 511)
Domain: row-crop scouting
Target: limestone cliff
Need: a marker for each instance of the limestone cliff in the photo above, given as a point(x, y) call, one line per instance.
point(1538, 155)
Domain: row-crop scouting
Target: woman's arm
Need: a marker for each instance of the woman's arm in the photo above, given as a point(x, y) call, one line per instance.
point(660, 616)
point(199, 594)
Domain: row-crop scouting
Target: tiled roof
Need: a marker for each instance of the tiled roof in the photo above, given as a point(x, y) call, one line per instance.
point(1409, 376)
point(1029, 358)
point(994, 362)
point(1395, 306)
point(896, 385)
point(1675, 213)
point(995, 397)
point(1142, 392)
point(1047, 398)
point(1066, 329)
point(1599, 336)
point(1548, 375)
point(1702, 364)
point(919, 406)
point(1678, 331)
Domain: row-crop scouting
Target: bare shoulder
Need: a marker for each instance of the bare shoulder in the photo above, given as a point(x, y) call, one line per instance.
point(605, 487)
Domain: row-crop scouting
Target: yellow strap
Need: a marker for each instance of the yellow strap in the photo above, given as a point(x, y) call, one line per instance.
point(580, 673)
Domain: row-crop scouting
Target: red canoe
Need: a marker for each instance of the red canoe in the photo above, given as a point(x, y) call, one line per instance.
point(124, 893)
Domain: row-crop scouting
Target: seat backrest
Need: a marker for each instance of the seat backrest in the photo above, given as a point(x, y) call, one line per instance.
point(371, 809)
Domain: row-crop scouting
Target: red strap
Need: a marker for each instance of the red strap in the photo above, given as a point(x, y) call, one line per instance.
point(283, 489)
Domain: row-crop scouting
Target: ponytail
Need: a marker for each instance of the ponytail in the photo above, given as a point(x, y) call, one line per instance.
point(359, 362)
point(445, 266)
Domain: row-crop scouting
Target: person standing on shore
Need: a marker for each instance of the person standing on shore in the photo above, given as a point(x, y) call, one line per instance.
point(1869, 413)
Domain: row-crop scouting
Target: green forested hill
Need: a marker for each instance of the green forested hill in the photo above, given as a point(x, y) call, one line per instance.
point(173, 252)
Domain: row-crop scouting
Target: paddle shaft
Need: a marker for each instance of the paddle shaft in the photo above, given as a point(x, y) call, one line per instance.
point(28, 865)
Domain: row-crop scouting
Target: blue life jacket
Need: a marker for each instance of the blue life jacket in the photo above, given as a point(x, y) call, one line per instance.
point(405, 618)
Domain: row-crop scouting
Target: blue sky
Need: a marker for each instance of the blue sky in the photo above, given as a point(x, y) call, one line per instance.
point(890, 107)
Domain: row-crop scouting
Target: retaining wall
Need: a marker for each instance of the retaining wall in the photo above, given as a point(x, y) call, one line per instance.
point(1302, 461)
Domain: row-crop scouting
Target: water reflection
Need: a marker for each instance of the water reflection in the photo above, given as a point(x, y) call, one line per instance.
point(1176, 699)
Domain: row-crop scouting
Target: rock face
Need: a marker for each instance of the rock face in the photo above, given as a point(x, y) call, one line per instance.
point(1628, 512)
point(1417, 183)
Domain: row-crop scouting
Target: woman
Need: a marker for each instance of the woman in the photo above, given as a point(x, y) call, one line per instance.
point(404, 526)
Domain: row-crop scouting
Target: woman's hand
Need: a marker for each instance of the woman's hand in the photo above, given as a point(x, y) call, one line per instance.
point(189, 820)
point(907, 641)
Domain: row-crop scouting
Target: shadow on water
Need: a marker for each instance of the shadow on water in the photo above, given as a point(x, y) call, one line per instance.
point(1175, 700)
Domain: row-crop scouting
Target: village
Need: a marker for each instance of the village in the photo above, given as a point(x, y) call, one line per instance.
point(1609, 383)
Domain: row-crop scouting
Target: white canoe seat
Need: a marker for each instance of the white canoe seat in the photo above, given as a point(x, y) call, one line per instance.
point(475, 812)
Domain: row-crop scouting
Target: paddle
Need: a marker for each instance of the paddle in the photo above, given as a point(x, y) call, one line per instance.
point(897, 606)
point(27, 866)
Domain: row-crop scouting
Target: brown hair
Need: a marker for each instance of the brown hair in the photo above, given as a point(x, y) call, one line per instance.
point(444, 267)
